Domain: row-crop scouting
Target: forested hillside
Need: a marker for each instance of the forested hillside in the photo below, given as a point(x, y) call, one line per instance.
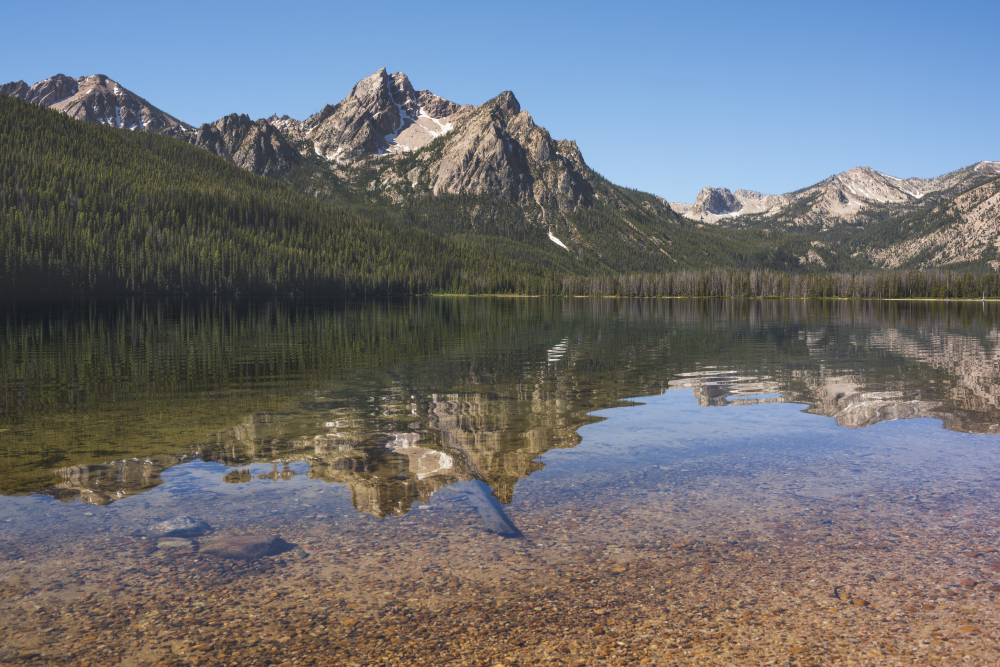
point(90, 209)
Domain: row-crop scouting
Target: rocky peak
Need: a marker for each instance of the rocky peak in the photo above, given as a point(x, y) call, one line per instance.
point(497, 149)
point(505, 105)
point(96, 99)
point(52, 90)
point(15, 89)
point(254, 145)
point(718, 201)
point(381, 114)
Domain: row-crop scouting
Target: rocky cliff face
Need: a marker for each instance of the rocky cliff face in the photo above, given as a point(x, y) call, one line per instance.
point(492, 149)
point(95, 99)
point(717, 201)
point(382, 114)
point(498, 149)
point(714, 204)
point(257, 146)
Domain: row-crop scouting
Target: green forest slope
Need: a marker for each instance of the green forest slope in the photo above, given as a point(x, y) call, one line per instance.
point(90, 209)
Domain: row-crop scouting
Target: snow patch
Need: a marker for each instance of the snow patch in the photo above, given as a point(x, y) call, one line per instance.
point(403, 117)
point(557, 241)
point(445, 127)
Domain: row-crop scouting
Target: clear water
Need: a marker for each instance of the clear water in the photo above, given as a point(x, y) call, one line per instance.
point(663, 462)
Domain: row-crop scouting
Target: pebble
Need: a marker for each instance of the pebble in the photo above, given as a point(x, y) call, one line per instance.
point(429, 589)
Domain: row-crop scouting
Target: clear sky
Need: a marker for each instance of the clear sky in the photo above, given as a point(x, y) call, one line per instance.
point(666, 97)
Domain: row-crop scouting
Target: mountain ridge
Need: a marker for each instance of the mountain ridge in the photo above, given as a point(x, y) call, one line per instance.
point(838, 197)
point(490, 172)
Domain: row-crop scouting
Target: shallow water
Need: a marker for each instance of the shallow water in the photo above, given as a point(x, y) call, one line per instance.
point(730, 482)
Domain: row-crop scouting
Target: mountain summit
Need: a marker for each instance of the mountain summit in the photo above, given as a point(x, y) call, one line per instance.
point(96, 99)
point(839, 198)
point(382, 114)
point(493, 149)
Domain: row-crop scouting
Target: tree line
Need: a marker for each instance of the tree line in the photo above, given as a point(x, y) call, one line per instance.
point(762, 283)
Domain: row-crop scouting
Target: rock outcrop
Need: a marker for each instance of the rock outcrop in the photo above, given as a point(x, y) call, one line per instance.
point(382, 114)
point(257, 146)
point(713, 204)
point(96, 99)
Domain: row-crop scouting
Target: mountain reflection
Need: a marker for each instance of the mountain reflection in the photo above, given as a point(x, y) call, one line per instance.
point(399, 399)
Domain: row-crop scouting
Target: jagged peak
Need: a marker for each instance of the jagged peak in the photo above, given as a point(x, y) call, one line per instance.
point(505, 102)
point(370, 85)
point(400, 81)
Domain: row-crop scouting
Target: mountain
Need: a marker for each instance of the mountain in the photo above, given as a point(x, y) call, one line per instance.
point(96, 99)
point(257, 146)
point(862, 219)
point(422, 144)
point(840, 198)
point(490, 178)
point(381, 114)
point(86, 208)
point(961, 230)
point(712, 204)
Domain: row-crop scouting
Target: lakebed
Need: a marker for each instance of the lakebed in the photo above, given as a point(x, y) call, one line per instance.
point(702, 482)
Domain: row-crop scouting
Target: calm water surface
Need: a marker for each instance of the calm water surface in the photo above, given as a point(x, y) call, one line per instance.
point(671, 472)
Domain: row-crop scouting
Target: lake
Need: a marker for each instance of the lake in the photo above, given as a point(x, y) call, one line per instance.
point(499, 481)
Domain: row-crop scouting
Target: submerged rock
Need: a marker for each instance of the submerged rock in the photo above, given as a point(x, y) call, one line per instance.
point(174, 543)
point(489, 508)
point(246, 547)
point(181, 526)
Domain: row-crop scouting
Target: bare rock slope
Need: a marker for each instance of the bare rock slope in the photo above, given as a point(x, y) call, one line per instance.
point(972, 235)
point(96, 99)
point(257, 146)
point(381, 114)
point(495, 148)
point(840, 198)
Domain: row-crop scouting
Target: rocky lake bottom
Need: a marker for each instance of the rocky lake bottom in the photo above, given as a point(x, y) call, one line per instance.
point(754, 551)
point(828, 496)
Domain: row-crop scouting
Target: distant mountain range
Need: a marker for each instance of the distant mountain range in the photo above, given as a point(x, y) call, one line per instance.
point(927, 222)
point(387, 144)
point(494, 149)
point(841, 197)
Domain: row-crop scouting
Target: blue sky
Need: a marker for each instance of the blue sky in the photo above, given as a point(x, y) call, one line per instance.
point(664, 97)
